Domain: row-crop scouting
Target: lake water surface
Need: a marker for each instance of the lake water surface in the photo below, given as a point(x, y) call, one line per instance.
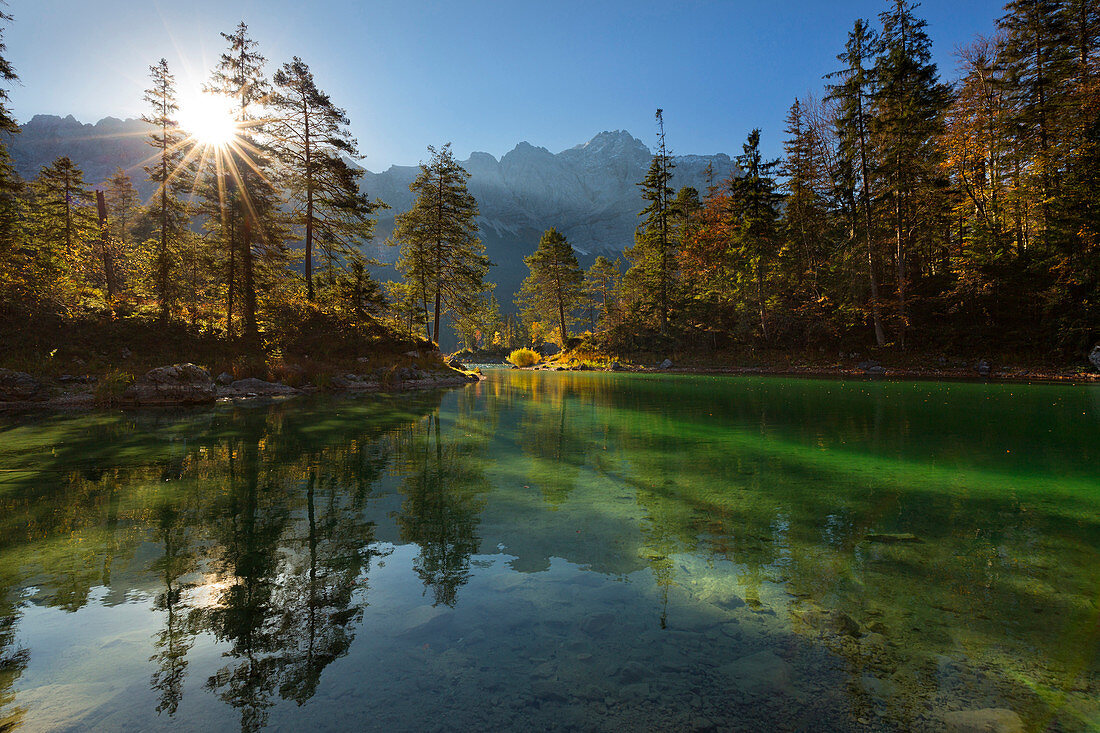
point(559, 551)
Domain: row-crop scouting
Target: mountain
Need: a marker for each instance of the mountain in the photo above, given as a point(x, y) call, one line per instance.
point(588, 192)
point(97, 149)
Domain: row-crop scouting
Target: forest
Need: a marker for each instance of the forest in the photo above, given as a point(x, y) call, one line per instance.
point(907, 212)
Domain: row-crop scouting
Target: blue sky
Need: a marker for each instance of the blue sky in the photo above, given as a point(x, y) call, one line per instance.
point(483, 75)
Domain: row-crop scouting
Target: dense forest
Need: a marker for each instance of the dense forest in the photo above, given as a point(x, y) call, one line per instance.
point(905, 213)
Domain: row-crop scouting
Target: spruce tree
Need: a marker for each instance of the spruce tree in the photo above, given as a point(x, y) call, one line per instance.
point(909, 104)
point(652, 257)
point(554, 288)
point(63, 224)
point(170, 172)
point(852, 94)
point(600, 283)
point(441, 255)
point(755, 207)
point(313, 145)
point(250, 219)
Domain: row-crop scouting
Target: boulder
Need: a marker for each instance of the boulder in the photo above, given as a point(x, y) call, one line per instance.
point(549, 349)
point(875, 370)
point(253, 387)
point(666, 364)
point(20, 387)
point(1094, 357)
point(224, 379)
point(179, 384)
point(983, 368)
point(615, 366)
point(987, 720)
point(867, 366)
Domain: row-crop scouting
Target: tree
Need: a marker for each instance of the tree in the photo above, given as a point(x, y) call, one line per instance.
point(313, 145)
point(755, 208)
point(166, 172)
point(852, 94)
point(553, 289)
point(909, 104)
point(62, 220)
point(600, 282)
point(651, 256)
point(440, 252)
point(251, 220)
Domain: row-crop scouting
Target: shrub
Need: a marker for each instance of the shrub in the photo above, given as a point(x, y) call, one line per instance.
point(108, 391)
point(524, 357)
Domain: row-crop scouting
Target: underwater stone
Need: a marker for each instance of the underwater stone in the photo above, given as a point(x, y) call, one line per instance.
point(987, 720)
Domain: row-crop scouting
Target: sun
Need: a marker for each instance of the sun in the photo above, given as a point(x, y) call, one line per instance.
point(208, 118)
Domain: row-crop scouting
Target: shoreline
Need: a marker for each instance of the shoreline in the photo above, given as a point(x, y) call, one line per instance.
point(1007, 375)
point(81, 400)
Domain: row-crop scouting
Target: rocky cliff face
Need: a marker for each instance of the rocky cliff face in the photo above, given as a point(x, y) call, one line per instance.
point(588, 192)
point(97, 149)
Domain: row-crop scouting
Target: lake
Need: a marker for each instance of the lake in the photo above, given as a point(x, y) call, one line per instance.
point(559, 551)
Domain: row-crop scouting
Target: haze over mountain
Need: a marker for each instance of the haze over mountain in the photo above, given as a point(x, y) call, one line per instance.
point(588, 192)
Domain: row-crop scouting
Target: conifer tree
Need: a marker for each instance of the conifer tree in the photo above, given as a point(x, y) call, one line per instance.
point(652, 257)
point(909, 104)
point(600, 282)
point(167, 171)
point(62, 223)
point(15, 256)
point(852, 94)
point(441, 255)
point(755, 207)
point(553, 289)
point(313, 145)
point(251, 221)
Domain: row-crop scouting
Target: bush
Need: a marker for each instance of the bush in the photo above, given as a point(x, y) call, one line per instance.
point(524, 357)
point(108, 391)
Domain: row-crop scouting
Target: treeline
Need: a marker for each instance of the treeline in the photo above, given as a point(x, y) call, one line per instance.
point(246, 236)
point(904, 212)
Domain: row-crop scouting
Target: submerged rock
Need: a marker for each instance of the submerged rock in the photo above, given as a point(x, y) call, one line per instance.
point(987, 720)
point(20, 387)
point(763, 672)
point(889, 538)
point(179, 384)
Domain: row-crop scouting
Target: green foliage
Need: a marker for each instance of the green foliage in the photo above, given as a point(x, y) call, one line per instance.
point(553, 290)
point(108, 390)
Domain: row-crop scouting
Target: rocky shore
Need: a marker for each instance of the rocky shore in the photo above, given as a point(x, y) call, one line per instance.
point(188, 384)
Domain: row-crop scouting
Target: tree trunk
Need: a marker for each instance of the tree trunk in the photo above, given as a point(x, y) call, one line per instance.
point(249, 280)
point(309, 207)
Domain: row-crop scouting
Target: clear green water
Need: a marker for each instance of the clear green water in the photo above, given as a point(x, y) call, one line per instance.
point(558, 551)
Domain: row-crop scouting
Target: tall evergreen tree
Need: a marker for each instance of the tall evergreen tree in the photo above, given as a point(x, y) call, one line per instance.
point(600, 282)
point(169, 172)
point(314, 145)
point(755, 208)
point(553, 289)
point(63, 224)
point(852, 94)
point(909, 104)
point(440, 252)
point(652, 257)
point(251, 218)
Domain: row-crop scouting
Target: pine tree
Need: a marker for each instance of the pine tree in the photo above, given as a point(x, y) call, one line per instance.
point(15, 256)
point(250, 219)
point(755, 208)
point(313, 145)
point(441, 255)
point(600, 283)
point(169, 171)
point(852, 94)
point(652, 257)
point(63, 224)
point(553, 289)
